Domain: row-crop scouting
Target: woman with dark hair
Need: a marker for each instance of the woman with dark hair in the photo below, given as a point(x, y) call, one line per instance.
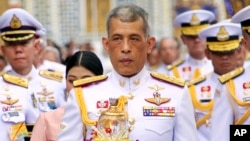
point(81, 65)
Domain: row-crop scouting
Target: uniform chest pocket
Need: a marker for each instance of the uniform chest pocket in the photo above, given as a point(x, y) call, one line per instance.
point(159, 125)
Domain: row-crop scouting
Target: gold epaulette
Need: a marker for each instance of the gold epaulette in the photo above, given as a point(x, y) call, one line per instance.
point(168, 79)
point(176, 64)
point(15, 80)
point(230, 75)
point(89, 80)
point(196, 81)
point(52, 74)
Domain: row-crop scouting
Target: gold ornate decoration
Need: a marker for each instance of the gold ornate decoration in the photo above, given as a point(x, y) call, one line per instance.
point(15, 23)
point(157, 99)
point(112, 124)
point(9, 100)
point(194, 20)
point(222, 35)
point(44, 91)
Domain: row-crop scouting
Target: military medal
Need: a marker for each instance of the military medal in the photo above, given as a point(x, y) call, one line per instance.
point(187, 73)
point(9, 100)
point(44, 91)
point(246, 86)
point(157, 99)
point(205, 94)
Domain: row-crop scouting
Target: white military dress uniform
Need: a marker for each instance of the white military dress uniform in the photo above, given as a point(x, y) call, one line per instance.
point(16, 108)
point(202, 91)
point(243, 18)
point(191, 23)
point(60, 69)
point(190, 68)
point(161, 68)
point(231, 104)
point(226, 38)
point(171, 118)
point(45, 89)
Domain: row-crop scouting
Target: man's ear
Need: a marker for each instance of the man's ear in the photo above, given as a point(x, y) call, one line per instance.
point(105, 43)
point(151, 44)
point(2, 50)
point(37, 45)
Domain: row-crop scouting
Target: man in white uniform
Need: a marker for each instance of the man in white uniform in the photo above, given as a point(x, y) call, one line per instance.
point(196, 64)
point(243, 18)
point(158, 106)
point(223, 56)
point(21, 34)
point(231, 104)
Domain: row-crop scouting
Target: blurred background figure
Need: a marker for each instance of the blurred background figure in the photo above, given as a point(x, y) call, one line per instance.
point(196, 63)
point(51, 54)
point(153, 59)
point(169, 51)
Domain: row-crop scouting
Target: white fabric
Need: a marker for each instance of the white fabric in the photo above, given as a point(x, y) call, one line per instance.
point(212, 81)
point(23, 95)
point(181, 127)
point(223, 115)
point(204, 65)
point(35, 86)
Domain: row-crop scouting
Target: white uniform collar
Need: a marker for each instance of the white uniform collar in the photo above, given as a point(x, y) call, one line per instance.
point(197, 62)
point(130, 83)
point(29, 76)
point(214, 76)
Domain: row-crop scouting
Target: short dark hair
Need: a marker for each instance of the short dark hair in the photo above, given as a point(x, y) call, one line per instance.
point(129, 13)
point(86, 59)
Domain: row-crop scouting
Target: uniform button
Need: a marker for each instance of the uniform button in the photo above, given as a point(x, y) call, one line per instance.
point(130, 96)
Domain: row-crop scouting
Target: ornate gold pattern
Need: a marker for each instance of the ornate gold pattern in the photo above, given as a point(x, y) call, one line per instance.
point(222, 35)
point(15, 23)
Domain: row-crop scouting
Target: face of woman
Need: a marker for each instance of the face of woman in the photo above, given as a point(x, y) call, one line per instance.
point(75, 73)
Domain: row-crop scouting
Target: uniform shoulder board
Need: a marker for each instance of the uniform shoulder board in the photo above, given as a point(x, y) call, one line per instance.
point(230, 75)
point(89, 80)
point(52, 74)
point(196, 81)
point(168, 79)
point(15, 80)
point(176, 64)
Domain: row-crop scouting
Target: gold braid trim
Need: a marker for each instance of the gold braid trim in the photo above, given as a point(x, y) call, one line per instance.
point(196, 103)
point(203, 119)
point(122, 101)
point(83, 108)
point(230, 85)
point(176, 72)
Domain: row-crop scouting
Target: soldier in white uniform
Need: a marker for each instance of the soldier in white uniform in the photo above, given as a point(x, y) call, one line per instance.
point(16, 108)
point(196, 64)
point(231, 104)
point(158, 106)
point(243, 18)
point(169, 52)
point(20, 32)
point(42, 64)
point(223, 56)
